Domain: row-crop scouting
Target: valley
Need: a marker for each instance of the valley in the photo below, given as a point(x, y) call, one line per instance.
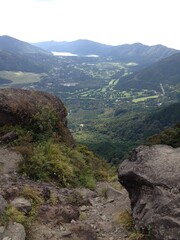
point(106, 119)
point(116, 96)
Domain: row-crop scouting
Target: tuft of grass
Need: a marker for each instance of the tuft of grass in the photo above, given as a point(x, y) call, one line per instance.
point(12, 213)
point(136, 236)
point(83, 216)
point(104, 192)
point(54, 199)
point(32, 194)
point(125, 219)
point(116, 185)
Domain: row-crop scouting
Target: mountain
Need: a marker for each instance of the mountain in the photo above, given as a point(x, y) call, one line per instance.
point(16, 46)
point(16, 55)
point(16, 62)
point(165, 71)
point(137, 52)
point(81, 47)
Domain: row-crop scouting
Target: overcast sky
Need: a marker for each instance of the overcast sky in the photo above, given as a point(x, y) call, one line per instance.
point(113, 22)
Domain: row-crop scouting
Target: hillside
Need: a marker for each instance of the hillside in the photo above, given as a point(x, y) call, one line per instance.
point(16, 46)
point(17, 62)
point(166, 71)
point(113, 138)
point(16, 55)
point(47, 182)
point(36, 125)
point(137, 52)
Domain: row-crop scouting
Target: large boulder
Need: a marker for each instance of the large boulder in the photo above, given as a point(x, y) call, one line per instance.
point(151, 175)
point(18, 106)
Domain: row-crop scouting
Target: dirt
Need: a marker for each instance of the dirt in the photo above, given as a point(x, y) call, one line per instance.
point(8, 160)
point(97, 213)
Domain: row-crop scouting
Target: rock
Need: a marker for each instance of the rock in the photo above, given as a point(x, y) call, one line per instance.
point(58, 213)
point(46, 193)
point(44, 232)
point(3, 205)
point(84, 232)
point(83, 208)
point(151, 175)
point(15, 231)
point(9, 137)
point(9, 161)
point(2, 229)
point(22, 204)
point(112, 193)
point(18, 106)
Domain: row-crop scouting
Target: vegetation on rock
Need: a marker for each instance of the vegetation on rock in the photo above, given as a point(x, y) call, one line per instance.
point(47, 157)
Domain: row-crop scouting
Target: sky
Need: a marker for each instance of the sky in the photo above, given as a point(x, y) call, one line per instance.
point(112, 22)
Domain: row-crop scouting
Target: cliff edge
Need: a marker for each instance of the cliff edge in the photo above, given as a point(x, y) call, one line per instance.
point(24, 107)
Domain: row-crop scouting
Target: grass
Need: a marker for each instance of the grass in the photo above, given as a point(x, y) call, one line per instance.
point(142, 99)
point(20, 77)
point(125, 219)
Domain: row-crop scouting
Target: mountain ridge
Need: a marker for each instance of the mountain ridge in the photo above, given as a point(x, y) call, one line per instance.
point(17, 46)
point(16, 55)
point(138, 52)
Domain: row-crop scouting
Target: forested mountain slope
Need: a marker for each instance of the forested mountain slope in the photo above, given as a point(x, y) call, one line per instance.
point(166, 72)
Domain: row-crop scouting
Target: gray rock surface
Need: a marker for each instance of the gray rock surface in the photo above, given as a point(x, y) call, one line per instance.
point(22, 204)
point(151, 175)
point(3, 204)
point(15, 231)
point(8, 161)
point(8, 137)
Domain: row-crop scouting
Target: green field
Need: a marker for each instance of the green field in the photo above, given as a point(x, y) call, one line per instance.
point(142, 99)
point(20, 77)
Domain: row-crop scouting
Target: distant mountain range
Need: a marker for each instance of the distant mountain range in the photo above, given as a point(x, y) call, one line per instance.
point(16, 55)
point(137, 52)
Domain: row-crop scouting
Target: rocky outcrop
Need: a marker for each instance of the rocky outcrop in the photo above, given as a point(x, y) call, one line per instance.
point(151, 175)
point(18, 106)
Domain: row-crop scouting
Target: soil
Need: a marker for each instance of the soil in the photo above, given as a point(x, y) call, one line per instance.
point(98, 211)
